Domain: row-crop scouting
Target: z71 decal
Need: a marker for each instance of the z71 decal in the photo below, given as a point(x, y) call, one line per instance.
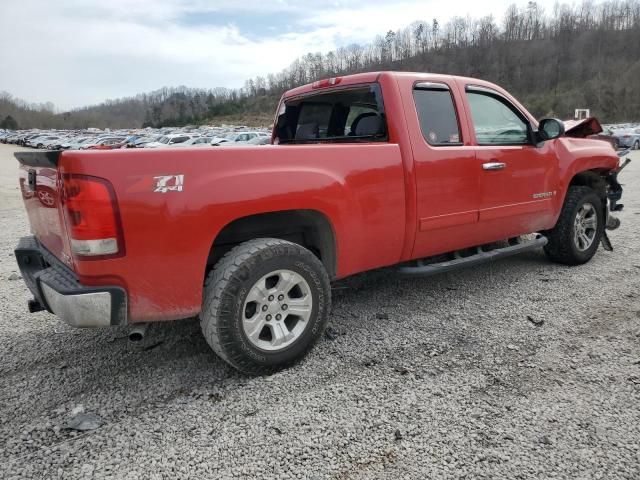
point(169, 183)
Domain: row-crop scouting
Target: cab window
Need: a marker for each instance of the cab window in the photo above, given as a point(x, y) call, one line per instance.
point(347, 115)
point(496, 122)
point(437, 115)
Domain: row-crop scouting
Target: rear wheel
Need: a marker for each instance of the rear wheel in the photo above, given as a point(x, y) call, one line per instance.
point(266, 303)
point(575, 238)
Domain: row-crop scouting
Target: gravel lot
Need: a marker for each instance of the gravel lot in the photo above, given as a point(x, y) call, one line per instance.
point(444, 377)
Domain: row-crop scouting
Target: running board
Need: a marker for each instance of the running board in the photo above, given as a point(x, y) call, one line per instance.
point(475, 259)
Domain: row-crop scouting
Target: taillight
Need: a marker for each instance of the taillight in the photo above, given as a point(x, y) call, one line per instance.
point(92, 217)
point(327, 82)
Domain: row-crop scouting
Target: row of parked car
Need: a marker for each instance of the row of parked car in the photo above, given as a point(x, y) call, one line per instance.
point(97, 140)
point(621, 136)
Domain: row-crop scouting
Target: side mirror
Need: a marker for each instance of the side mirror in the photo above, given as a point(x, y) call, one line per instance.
point(550, 128)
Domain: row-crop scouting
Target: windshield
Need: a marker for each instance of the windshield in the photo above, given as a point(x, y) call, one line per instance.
point(163, 139)
point(230, 136)
point(337, 115)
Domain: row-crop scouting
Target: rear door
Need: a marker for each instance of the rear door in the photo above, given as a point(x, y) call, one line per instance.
point(446, 168)
point(517, 186)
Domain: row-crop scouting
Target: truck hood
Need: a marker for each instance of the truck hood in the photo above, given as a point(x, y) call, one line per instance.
point(582, 128)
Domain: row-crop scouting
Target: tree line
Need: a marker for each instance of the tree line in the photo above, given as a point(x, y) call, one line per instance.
point(575, 56)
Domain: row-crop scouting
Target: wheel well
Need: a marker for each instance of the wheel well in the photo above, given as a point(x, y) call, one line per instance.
point(308, 228)
point(594, 179)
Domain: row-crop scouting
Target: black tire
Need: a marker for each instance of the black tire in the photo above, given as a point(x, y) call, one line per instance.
point(226, 290)
point(562, 247)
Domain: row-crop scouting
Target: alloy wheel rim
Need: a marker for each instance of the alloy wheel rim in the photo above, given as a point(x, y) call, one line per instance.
point(585, 227)
point(46, 198)
point(277, 310)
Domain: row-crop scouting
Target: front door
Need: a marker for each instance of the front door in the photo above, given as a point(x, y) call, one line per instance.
point(517, 186)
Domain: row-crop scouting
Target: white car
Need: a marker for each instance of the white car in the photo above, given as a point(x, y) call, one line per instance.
point(262, 140)
point(42, 141)
point(169, 140)
point(239, 137)
point(194, 142)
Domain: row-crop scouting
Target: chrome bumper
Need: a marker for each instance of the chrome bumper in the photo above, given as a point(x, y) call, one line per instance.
point(56, 288)
point(80, 310)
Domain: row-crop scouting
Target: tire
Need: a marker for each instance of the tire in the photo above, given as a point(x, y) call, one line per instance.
point(564, 246)
point(227, 303)
point(636, 145)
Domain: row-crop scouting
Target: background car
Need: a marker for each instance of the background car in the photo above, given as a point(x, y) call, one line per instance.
point(105, 143)
point(261, 140)
point(168, 140)
point(628, 138)
point(194, 142)
point(240, 137)
point(41, 142)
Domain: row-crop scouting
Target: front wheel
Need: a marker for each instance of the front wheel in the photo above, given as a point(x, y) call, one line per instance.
point(575, 238)
point(265, 305)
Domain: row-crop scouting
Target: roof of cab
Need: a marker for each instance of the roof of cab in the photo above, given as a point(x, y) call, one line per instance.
point(355, 79)
point(370, 77)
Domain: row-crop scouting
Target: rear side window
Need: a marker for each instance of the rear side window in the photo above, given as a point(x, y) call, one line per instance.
point(437, 115)
point(352, 114)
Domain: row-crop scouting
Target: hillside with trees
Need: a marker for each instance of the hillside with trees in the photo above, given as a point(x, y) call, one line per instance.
point(580, 56)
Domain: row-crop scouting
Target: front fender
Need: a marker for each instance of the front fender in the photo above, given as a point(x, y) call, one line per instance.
point(579, 155)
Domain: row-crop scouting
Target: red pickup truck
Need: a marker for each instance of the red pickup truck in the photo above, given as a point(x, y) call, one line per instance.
point(428, 172)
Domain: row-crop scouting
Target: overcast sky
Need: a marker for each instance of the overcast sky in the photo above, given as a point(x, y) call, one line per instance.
point(76, 53)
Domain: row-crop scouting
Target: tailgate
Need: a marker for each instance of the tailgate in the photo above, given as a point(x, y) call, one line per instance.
point(40, 187)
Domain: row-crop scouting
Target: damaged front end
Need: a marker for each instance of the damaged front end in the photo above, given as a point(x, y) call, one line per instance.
point(588, 128)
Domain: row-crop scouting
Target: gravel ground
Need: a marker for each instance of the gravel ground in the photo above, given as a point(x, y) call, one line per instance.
point(517, 369)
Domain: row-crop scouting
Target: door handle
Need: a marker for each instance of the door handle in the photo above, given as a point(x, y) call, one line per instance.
point(493, 166)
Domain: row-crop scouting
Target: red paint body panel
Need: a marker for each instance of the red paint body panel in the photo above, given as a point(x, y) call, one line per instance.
point(386, 202)
point(359, 188)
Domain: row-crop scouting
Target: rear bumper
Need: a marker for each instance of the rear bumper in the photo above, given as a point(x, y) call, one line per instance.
point(56, 288)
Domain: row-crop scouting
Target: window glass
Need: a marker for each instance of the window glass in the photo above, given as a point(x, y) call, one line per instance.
point(495, 122)
point(315, 118)
point(355, 112)
point(437, 115)
point(334, 115)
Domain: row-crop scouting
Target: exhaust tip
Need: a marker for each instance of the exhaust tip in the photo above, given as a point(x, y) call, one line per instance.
point(138, 332)
point(136, 337)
